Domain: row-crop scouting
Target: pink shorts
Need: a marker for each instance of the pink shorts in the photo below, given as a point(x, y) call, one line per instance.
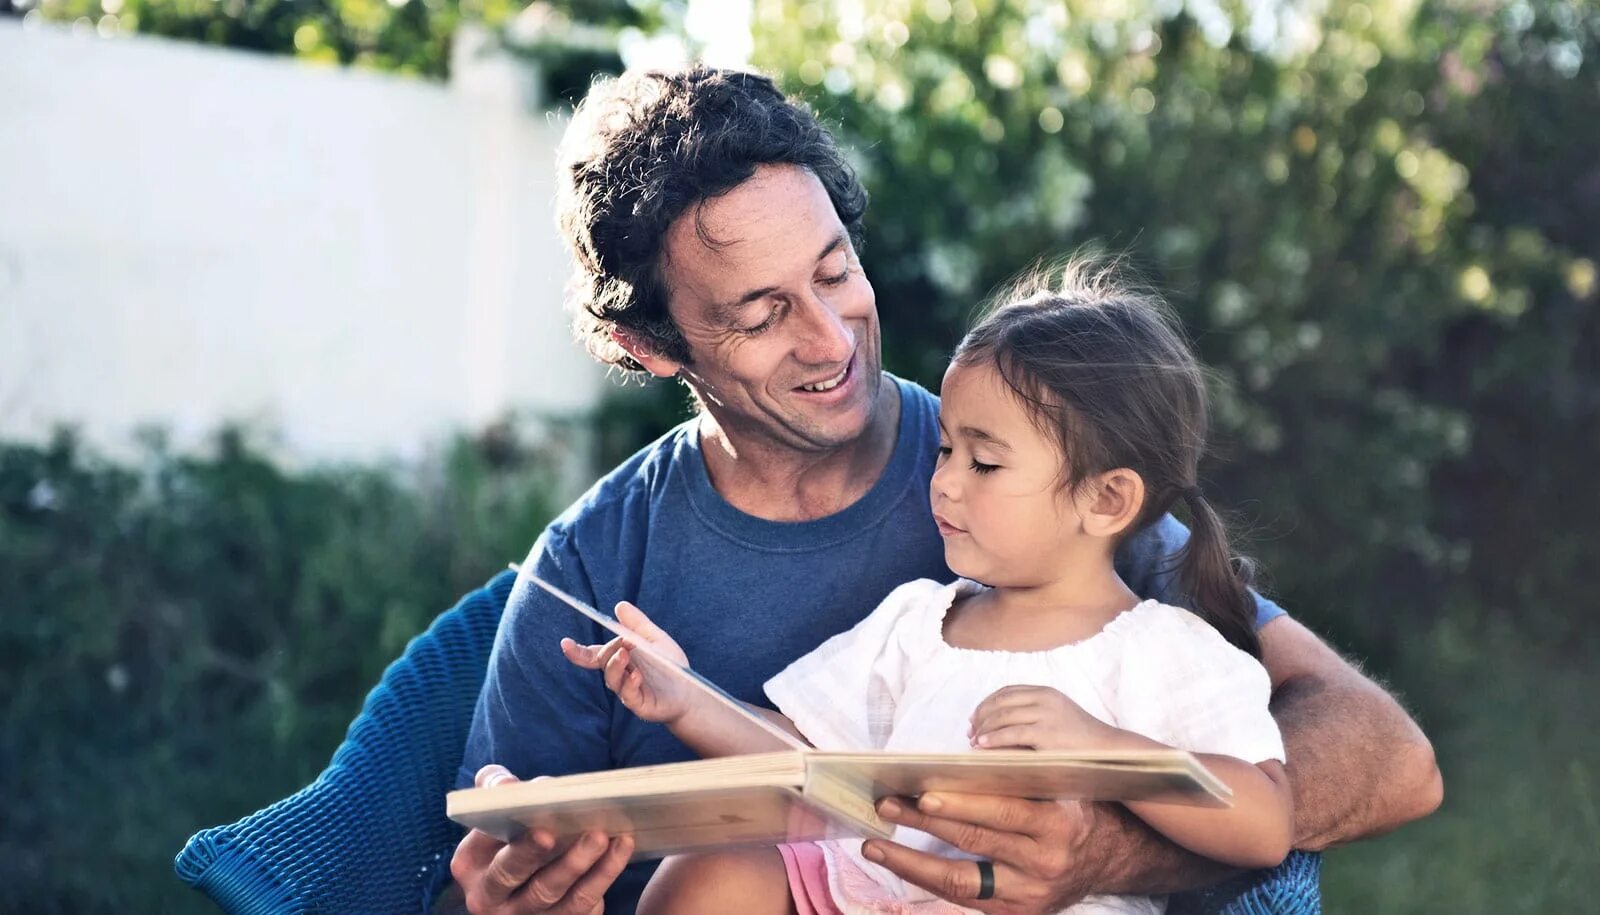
point(807, 867)
point(808, 878)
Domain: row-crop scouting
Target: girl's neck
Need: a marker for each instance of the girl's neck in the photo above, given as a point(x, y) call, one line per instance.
point(1067, 609)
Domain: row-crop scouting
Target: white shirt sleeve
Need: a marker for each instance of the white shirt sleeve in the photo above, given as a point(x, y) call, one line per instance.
point(842, 695)
point(1182, 683)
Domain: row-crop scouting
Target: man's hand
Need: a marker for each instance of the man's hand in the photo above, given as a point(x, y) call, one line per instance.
point(528, 875)
point(1042, 859)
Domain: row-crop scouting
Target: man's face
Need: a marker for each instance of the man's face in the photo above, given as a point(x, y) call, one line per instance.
point(781, 323)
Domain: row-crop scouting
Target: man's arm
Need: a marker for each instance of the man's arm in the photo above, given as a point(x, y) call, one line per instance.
point(535, 716)
point(1358, 766)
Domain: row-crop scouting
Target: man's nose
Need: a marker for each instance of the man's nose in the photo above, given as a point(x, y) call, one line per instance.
point(828, 338)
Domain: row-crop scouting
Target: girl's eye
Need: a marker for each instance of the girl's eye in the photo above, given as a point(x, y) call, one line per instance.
point(984, 468)
point(944, 452)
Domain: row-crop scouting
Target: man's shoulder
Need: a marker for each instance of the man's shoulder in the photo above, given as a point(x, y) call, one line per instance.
point(628, 487)
point(915, 393)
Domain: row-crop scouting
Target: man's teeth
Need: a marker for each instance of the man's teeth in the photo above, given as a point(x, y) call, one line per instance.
point(828, 385)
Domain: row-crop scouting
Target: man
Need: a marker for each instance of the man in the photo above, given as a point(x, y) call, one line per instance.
point(714, 225)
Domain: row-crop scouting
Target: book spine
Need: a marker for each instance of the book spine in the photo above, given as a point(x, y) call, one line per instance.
point(848, 800)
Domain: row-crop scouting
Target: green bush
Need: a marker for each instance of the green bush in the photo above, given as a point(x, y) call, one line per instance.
point(185, 639)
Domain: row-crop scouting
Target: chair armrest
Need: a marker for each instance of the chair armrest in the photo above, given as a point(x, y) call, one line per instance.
point(370, 834)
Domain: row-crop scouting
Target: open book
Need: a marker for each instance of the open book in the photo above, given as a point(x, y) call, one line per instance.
point(800, 795)
point(803, 794)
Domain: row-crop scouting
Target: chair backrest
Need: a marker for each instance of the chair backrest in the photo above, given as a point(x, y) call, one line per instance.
point(370, 834)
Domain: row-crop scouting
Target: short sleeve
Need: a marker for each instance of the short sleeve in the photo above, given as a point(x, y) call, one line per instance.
point(1148, 562)
point(842, 695)
point(1183, 684)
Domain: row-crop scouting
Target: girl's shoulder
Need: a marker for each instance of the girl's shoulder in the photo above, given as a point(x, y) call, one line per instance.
point(1162, 634)
point(1158, 637)
point(919, 609)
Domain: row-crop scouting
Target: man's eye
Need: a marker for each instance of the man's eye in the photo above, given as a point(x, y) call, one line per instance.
point(979, 467)
point(771, 319)
point(836, 279)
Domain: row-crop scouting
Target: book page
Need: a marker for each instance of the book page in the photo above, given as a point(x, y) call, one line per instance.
point(1168, 776)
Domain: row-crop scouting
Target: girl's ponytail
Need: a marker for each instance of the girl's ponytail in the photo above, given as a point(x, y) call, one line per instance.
point(1217, 581)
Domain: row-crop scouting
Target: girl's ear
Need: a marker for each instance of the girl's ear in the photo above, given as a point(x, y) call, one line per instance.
point(1118, 496)
point(644, 353)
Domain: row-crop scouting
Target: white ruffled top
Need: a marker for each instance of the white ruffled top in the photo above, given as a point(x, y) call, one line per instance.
point(893, 683)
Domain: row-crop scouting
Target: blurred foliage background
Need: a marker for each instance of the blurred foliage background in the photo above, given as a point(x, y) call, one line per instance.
point(1376, 219)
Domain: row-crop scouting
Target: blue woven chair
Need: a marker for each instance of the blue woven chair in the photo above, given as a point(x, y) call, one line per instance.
point(370, 835)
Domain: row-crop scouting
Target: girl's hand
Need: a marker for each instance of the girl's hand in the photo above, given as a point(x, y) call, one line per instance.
point(638, 680)
point(1037, 718)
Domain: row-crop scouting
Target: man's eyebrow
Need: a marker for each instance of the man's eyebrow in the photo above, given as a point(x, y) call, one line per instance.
point(724, 312)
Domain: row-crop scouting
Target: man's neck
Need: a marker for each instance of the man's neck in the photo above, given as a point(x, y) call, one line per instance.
point(777, 482)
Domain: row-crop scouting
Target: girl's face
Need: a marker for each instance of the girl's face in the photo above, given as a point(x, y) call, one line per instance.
point(996, 491)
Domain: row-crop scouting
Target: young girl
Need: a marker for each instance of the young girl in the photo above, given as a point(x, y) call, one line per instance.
point(1070, 418)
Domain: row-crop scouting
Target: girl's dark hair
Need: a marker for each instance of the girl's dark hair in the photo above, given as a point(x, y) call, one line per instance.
point(1103, 369)
point(642, 150)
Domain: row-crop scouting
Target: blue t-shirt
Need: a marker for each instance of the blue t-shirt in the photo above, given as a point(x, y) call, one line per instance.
point(743, 596)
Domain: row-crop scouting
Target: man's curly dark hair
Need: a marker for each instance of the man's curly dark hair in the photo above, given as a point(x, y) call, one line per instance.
point(644, 148)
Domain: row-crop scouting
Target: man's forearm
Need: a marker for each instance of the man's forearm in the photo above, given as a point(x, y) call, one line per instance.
point(1358, 764)
point(1134, 859)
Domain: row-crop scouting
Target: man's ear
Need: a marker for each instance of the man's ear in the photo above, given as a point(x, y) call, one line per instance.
point(1114, 501)
point(645, 353)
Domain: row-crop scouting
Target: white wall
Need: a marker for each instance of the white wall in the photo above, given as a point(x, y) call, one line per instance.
point(190, 235)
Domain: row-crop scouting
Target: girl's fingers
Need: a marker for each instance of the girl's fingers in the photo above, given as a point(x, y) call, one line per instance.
point(995, 719)
point(1024, 736)
point(616, 668)
point(634, 618)
point(1004, 697)
point(632, 690)
point(589, 656)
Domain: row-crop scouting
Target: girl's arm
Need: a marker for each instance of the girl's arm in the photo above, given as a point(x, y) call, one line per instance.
point(1255, 832)
point(712, 729)
point(705, 725)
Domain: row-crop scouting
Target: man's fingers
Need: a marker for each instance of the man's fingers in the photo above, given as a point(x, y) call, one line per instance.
point(1018, 819)
point(513, 865)
point(492, 775)
point(955, 880)
point(472, 855)
point(973, 838)
point(588, 893)
point(554, 880)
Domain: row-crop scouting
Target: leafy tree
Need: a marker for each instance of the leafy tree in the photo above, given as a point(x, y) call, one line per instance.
point(1369, 217)
point(405, 36)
